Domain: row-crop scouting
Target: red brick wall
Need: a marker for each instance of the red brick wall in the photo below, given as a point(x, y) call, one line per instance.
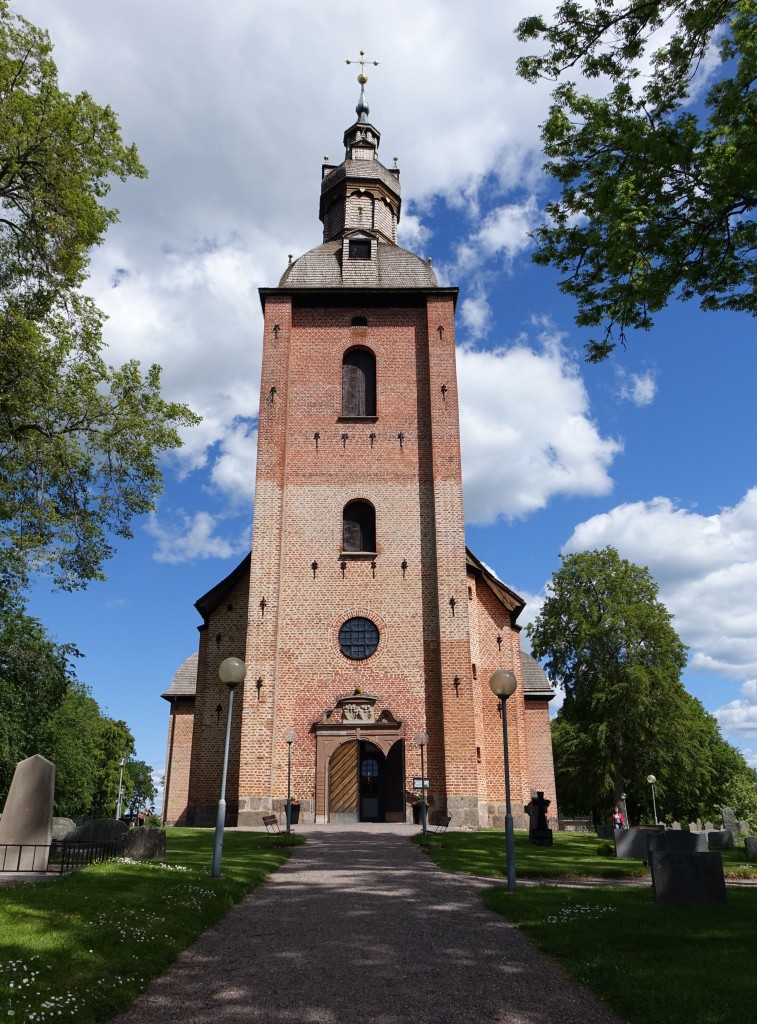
point(222, 637)
point(178, 759)
point(293, 614)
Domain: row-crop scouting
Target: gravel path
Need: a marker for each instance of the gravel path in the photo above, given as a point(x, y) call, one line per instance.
point(361, 925)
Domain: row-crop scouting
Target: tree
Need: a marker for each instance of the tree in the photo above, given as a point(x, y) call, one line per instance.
point(138, 786)
point(658, 186)
point(603, 634)
point(79, 440)
point(86, 748)
point(35, 674)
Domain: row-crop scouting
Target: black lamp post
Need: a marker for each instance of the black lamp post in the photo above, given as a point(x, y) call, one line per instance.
point(503, 685)
point(289, 737)
point(421, 740)
point(231, 671)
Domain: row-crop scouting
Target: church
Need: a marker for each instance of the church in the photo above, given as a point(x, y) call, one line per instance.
point(364, 622)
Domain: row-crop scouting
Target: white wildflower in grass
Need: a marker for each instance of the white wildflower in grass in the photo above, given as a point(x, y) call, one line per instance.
point(579, 912)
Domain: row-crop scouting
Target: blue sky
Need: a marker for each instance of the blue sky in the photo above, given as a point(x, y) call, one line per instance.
point(651, 452)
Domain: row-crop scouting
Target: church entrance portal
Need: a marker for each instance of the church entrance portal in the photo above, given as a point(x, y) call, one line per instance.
point(364, 784)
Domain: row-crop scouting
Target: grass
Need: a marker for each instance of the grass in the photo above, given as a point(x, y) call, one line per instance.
point(81, 947)
point(652, 964)
point(573, 855)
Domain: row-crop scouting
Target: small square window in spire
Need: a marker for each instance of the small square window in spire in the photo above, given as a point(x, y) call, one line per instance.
point(360, 248)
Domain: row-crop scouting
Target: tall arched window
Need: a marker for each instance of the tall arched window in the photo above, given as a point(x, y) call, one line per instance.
point(359, 527)
point(359, 383)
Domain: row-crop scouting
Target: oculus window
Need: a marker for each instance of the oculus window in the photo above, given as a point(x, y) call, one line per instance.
point(359, 383)
point(359, 527)
point(358, 638)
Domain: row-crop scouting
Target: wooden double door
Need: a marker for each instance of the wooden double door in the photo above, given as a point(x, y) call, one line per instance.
point(365, 784)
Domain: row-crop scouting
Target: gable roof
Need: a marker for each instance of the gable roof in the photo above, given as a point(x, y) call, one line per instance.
point(210, 601)
point(512, 602)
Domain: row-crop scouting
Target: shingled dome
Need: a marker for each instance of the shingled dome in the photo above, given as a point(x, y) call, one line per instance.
point(185, 681)
point(322, 268)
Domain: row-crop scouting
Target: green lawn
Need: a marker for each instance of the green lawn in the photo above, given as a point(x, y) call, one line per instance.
point(652, 964)
point(573, 855)
point(81, 947)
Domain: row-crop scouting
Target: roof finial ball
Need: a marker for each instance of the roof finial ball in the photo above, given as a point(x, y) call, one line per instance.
point(362, 110)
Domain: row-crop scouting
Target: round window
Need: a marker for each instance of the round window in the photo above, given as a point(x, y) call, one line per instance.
point(358, 638)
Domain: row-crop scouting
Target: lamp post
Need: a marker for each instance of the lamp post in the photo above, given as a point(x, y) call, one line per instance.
point(625, 810)
point(651, 780)
point(289, 736)
point(503, 685)
point(122, 762)
point(231, 671)
point(421, 739)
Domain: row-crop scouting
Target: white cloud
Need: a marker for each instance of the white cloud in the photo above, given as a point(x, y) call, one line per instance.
point(191, 537)
point(526, 431)
point(639, 388)
point(706, 567)
point(740, 716)
point(475, 314)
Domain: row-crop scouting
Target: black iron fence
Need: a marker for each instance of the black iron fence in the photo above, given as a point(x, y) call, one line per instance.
point(60, 856)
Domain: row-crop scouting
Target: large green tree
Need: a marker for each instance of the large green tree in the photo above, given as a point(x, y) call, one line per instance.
point(79, 440)
point(35, 675)
point(603, 634)
point(658, 182)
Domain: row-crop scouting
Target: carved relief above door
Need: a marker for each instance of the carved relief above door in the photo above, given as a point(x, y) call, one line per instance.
point(356, 779)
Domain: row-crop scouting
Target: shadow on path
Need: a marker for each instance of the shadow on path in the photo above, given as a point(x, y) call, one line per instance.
point(360, 925)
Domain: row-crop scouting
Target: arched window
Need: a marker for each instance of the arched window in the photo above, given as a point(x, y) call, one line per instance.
point(359, 527)
point(359, 321)
point(359, 383)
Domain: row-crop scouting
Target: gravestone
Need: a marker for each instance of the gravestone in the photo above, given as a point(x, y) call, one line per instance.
point(677, 842)
point(631, 843)
point(744, 828)
point(676, 826)
point(699, 824)
point(61, 828)
point(26, 826)
point(720, 839)
point(98, 830)
point(145, 844)
point(730, 823)
point(539, 832)
point(687, 877)
point(750, 845)
point(694, 826)
point(709, 827)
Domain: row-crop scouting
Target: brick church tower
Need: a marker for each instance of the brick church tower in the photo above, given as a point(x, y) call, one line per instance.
point(361, 617)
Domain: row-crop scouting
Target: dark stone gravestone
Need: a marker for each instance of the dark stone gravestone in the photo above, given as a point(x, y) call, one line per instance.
point(634, 842)
point(98, 830)
point(678, 842)
point(687, 877)
point(730, 823)
point(27, 823)
point(750, 846)
point(61, 828)
point(145, 844)
point(539, 832)
point(720, 840)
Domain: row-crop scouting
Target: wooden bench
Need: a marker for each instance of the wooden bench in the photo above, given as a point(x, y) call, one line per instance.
point(440, 826)
point(274, 832)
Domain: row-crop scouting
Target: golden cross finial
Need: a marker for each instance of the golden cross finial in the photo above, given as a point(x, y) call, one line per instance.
point(362, 77)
